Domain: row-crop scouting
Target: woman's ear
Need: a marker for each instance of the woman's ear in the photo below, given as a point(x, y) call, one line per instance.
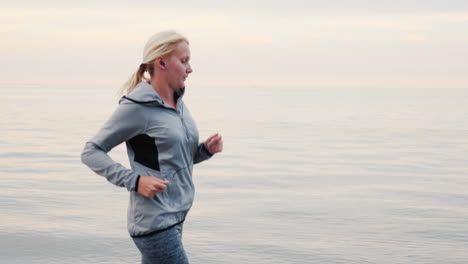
point(160, 63)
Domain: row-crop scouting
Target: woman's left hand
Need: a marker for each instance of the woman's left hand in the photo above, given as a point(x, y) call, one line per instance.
point(214, 144)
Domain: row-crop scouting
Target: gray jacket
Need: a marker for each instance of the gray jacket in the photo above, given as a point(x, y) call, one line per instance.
point(162, 141)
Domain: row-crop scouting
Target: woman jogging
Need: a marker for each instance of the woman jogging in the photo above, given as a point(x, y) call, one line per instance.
point(162, 144)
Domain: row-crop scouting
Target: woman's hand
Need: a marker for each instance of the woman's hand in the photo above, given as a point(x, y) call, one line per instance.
point(214, 144)
point(149, 186)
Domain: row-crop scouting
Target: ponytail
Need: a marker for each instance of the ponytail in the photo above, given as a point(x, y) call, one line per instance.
point(135, 79)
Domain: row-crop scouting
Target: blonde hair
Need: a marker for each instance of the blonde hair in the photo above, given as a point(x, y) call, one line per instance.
point(161, 44)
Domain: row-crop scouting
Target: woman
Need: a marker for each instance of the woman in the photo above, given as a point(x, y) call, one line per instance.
point(162, 145)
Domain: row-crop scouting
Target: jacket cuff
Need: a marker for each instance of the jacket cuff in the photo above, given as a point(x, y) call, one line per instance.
point(136, 183)
point(205, 151)
point(132, 184)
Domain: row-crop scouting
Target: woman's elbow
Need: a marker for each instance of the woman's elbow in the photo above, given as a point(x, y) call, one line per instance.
point(87, 153)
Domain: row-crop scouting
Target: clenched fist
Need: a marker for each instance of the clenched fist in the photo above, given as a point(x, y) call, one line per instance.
point(149, 186)
point(214, 144)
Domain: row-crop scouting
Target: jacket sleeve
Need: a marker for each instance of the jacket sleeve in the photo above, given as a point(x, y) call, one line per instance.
point(201, 154)
point(125, 123)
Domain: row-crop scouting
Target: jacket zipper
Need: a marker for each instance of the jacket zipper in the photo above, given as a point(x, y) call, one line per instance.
point(181, 115)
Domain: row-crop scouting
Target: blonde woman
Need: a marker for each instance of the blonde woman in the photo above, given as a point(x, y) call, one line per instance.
point(162, 145)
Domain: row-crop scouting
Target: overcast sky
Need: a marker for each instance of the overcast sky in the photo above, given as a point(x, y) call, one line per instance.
point(389, 44)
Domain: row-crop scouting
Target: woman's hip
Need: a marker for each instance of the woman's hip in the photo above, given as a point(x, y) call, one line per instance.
point(162, 247)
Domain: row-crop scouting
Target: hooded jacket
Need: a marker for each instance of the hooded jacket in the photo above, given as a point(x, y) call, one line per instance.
point(162, 141)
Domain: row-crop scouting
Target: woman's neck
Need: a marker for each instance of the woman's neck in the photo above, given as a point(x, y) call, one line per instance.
point(164, 91)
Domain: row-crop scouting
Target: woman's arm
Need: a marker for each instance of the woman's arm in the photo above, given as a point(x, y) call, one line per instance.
point(125, 123)
point(207, 149)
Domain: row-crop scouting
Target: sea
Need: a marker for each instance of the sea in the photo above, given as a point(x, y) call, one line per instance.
point(307, 175)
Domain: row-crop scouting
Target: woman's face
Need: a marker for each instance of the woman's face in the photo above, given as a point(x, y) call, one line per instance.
point(178, 66)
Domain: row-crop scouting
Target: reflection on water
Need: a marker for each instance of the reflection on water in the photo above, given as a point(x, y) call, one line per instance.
point(307, 176)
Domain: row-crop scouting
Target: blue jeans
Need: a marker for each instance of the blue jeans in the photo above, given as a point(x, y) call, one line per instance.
point(162, 247)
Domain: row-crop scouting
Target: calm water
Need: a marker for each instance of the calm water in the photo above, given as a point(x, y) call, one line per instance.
point(307, 176)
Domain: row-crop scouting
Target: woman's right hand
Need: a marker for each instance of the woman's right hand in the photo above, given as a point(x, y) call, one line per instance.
point(149, 186)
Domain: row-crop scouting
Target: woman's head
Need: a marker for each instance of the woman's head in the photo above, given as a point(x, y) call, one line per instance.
point(161, 45)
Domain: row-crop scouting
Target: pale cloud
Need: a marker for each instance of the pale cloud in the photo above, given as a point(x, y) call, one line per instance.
point(453, 17)
point(259, 39)
point(415, 37)
point(261, 7)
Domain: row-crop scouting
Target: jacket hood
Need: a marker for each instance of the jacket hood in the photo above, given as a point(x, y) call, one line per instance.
point(145, 94)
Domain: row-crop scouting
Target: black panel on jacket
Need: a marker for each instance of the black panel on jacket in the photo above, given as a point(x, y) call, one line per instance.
point(146, 152)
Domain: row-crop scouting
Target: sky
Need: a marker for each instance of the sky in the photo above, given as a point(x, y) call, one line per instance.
point(317, 44)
